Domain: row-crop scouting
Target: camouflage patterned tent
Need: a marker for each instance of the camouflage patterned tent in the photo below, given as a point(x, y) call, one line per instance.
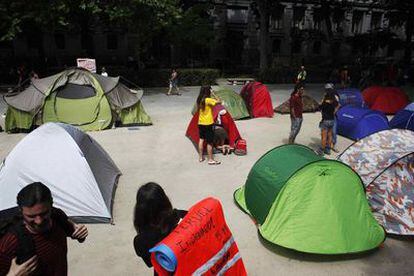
point(385, 162)
point(309, 105)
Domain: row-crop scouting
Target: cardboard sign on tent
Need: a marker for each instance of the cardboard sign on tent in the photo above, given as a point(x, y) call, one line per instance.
point(356, 123)
point(309, 105)
point(404, 119)
point(201, 244)
point(385, 99)
point(232, 101)
point(78, 171)
point(257, 99)
point(350, 96)
point(77, 97)
point(385, 162)
point(310, 204)
point(227, 123)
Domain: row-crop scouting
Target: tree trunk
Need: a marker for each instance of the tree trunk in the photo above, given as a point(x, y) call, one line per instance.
point(264, 33)
point(408, 35)
point(329, 33)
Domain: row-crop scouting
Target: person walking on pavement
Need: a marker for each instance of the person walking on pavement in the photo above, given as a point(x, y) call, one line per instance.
point(173, 83)
point(296, 111)
point(301, 78)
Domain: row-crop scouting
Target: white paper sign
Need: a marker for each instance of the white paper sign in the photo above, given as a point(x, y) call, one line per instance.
point(87, 63)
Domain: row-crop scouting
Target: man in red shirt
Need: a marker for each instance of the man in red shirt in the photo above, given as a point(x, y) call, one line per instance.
point(42, 228)
point(296, 110)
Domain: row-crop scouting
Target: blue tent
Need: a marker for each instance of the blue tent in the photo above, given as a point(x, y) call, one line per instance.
point(410, 107)
point(350, 96)
point(404, 119)
point(356, 123)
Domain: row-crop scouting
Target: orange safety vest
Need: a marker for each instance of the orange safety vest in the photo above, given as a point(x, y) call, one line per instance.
point(202, 244)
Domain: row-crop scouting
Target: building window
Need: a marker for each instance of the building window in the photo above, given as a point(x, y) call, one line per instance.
point(376, 20)
point(112, 42)
point(296, 47)
point(317, 45)
point(275, 23)
point(276, 18)
point(317, 19)
point(60, 41)
point(357, 22)
point(299, 17)
point(276, 46)
point(84, 41)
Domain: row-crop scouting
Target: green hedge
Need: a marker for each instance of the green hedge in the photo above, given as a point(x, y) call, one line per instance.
point(160, 77)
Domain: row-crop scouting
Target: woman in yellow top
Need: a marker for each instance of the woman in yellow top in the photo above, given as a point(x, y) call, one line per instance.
point(205, 102)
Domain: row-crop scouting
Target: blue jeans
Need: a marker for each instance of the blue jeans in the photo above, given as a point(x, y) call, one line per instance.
point(295, 126)
point(334, 131)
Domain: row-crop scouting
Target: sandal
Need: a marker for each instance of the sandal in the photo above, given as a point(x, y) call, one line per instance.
point(201, 160)
point(214, 162)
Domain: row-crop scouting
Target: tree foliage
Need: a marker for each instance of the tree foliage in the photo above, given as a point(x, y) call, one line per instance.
point(49, 15)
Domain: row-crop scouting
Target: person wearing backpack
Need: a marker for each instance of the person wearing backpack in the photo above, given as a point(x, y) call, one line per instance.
point(34, 241)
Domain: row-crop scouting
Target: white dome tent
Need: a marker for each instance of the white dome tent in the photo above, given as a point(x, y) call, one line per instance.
point(78, 171)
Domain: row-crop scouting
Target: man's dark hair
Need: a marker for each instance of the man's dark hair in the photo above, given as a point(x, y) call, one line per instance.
point(33, 194)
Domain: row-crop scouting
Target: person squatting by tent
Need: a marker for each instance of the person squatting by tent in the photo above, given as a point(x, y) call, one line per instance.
point(328, 108)
point(296, 110)
point(205, 102)
point(34, 241)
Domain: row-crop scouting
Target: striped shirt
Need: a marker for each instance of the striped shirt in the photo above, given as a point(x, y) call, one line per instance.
point(51, 249)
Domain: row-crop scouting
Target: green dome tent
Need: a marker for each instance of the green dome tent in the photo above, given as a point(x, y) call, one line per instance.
point(310, 204)
point(77, 97)
point(233, 103)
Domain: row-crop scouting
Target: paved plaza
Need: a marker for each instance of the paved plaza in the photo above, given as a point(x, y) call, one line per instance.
point(161, 153)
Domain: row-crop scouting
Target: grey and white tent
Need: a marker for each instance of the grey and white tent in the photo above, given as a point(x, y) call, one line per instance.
point(78, 171)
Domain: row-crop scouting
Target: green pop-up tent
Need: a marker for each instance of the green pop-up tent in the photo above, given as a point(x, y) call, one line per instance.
point(77, 97)
point(233, 103)
point(310, 204)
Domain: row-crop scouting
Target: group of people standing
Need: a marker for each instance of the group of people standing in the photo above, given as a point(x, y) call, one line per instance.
point(328, 125)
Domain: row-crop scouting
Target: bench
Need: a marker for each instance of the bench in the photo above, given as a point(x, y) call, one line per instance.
point(242, 81)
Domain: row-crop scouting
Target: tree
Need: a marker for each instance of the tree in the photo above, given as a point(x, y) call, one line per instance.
point(265, 9)
point(193, 30)
point(143, 17)
point(400, 13)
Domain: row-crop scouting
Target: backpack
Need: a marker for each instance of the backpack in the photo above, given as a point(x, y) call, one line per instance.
point(241, 147)
point(26, 247)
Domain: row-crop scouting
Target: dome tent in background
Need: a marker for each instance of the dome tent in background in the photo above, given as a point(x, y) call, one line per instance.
point(232, 102)
point(79, 172)
point(404, 119)
point(385, 99)
point(257, 99)
point(309, 105)
point(310, 204)
point(356, 123)
point(350, 96)
point(99, 102)
point(385, 162)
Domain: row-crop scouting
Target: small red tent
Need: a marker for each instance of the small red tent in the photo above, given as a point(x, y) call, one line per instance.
point(257, 99)
point(385, 99)
point(226, 121)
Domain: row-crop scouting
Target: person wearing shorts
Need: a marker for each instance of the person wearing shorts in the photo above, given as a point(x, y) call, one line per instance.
point(206, 100)
point(328, 108)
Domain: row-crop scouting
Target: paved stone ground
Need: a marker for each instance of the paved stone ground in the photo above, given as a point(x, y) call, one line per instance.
point(163, 154)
